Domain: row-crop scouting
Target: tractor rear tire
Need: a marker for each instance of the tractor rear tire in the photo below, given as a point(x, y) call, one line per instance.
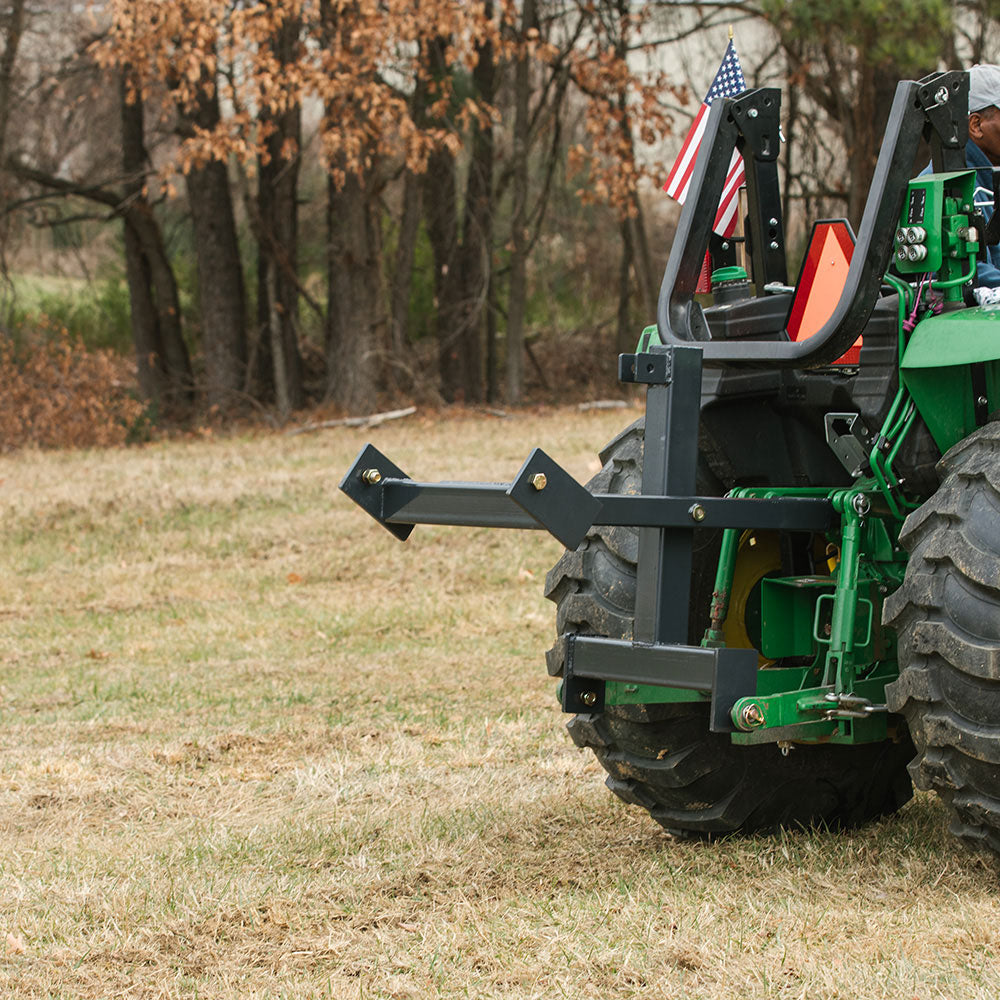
point(947, 618)
point(663, 757)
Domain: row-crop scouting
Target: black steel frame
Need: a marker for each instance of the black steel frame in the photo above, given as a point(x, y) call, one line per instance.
point(543, 495)
point(667, 511)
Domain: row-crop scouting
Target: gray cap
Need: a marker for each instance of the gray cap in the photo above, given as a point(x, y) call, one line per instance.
point(984, 87)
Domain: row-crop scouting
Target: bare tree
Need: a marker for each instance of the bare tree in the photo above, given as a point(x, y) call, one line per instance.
point(520, 237)
point(164, 365)
point(279, 362)
point(13, 29)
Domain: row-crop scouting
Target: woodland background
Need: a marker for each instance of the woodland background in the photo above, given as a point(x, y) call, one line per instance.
point(210, 208)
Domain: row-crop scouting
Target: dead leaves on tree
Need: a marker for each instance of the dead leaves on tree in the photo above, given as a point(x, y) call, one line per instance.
point(361, 61)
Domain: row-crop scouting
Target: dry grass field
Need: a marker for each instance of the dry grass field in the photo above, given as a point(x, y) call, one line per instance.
point(252, 746)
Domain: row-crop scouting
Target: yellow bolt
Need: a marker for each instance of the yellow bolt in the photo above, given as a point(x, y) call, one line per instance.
point(539, 481)
point(372, 477)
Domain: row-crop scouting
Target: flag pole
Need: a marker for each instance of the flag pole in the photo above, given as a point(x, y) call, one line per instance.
point(741, 244)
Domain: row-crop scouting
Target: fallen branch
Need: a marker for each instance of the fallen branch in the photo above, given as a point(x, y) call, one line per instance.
point(372, 420)
point(603, 404)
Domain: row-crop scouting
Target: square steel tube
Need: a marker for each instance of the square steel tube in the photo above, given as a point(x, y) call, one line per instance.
point(766, 514)
point(726, 674)
point(489, 506)
point(479, 505)
point(670, 459)
point(688, 667)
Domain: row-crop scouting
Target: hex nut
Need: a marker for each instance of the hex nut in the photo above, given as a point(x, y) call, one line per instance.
point(589, 698)
point(697, 512)
point(539, 481)
point(371, 476)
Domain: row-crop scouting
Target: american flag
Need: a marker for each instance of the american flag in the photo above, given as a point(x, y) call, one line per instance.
point(728, 82)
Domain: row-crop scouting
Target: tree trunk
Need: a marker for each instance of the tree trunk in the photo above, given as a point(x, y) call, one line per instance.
point(864, 132)
point(649, 280)
point(462, 257)
point(401, 285)
point(790, 165)
point(145, 335)
point(476, 255)
point(221, 297)
point(162, 357)
point(517, 300)
point(441, 215)
point(276, 327)
point(279, 363)
point(492, 373)
point(353, 313)
point(402, 275)
point(624, 341)
point(636, 258)
point(459, 271)
point(221, 293)
point(354, 276)
point(12, 41)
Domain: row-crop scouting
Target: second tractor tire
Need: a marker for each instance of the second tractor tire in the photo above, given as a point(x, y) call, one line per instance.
point(947, 617)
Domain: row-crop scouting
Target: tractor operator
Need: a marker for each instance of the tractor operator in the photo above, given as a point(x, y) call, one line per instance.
point(982, 152)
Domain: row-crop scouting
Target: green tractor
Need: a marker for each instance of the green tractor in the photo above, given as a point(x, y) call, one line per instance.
point(780, 598)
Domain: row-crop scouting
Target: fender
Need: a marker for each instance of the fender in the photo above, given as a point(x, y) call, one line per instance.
point(951, 368)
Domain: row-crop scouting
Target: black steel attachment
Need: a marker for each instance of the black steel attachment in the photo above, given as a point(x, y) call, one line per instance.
point(543, 495)
point(590, 662)
point(365, 484)
point(933, 109)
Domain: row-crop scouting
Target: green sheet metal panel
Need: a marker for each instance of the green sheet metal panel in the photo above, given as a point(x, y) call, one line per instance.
point(788, 610)
point(936, 369)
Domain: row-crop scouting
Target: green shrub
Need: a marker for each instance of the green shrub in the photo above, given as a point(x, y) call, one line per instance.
point(95, 313)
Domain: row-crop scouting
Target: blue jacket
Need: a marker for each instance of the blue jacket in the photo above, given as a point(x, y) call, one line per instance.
point(989, 272)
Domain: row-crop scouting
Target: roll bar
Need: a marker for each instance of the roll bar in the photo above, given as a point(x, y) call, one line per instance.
point(934, 108)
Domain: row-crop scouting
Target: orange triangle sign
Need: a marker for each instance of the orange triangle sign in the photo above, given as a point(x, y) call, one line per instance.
point(821, 282)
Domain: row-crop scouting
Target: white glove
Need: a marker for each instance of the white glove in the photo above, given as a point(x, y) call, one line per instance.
point(987, 296)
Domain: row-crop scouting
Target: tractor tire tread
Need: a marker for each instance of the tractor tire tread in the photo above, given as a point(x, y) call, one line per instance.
point(947, 618)
point(662, 757)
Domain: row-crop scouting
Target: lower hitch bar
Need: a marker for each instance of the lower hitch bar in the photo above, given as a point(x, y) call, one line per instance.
point(545, 496)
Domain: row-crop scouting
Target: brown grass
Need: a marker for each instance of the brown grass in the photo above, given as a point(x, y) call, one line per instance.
point(254, 747)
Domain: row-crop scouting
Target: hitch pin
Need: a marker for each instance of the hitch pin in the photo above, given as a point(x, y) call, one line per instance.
point(851, 706)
